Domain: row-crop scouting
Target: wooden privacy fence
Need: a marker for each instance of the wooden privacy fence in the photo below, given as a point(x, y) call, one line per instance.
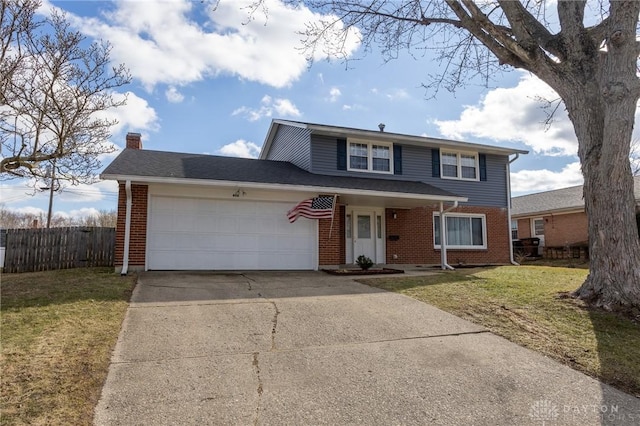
point(29, 250)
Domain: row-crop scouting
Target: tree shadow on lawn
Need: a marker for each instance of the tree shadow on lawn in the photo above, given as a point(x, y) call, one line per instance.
point(618, 342)
point(617, 337)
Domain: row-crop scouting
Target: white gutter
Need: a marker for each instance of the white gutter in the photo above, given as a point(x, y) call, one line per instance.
point(280, 187)
point(508, 167)
point(127, 230)
point(443, 236)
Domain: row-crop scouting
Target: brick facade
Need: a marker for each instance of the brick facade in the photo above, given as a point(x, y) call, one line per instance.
point(331, 250)
point(138, 237)
point(414, 229)
point(565, 229)
point(564, 234)
point(524, 228)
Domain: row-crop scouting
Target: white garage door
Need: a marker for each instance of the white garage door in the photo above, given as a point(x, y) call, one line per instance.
point(194, 233)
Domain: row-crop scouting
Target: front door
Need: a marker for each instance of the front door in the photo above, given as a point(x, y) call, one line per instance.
point(364, 235)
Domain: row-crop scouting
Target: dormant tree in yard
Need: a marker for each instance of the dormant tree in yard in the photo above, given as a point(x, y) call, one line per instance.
point(55, 88)
point(587, 53)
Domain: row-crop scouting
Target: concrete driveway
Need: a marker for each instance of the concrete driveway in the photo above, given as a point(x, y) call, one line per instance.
point(307, 348)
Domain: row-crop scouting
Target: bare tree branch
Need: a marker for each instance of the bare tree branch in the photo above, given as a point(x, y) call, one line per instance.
point(54, 97)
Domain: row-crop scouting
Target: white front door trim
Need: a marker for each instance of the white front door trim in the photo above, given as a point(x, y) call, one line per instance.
point(374, 246)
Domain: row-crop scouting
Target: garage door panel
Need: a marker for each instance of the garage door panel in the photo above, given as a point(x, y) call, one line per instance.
point(162, 219)
point(222, 234)
point(281, 243)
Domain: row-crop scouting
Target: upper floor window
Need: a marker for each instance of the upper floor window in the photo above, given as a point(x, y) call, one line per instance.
point(459, 165)
point(370, 157)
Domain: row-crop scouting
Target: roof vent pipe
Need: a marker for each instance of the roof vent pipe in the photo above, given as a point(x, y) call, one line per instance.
point(381, 127)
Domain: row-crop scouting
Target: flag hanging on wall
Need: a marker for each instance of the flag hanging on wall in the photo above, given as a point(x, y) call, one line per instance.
point(313, 208)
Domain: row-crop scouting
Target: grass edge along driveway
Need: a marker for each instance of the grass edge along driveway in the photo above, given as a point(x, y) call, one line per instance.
point(58, 331)
point(529, 305)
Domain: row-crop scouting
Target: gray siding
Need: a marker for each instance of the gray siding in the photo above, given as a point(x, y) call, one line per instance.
point(416, 166)
point(292, 144)
point(324, 151)
point(490, 193)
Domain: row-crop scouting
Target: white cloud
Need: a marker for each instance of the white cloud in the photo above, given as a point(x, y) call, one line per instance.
point(527, 181)
point(29, 210)
point(78, 213)
point(282, 107)
point(135, 116)
point(241, 148)
point(173, 95)
point(23, 191)
point(334, 94)
point(83, 193)
point(354, 107)
point(163, 42)
point(397, 94)
point(516, 114)
point(393, 94)
point(285, 108)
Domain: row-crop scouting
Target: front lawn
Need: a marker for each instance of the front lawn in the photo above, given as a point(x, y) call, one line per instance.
point(528, 305)
point(58, 330)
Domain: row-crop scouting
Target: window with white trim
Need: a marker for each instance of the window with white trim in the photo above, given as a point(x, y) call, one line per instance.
point(370, 157)
point(538, 227)
point(464, 231)
point(459, 165)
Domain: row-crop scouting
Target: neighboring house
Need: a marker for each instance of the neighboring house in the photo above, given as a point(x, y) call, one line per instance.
point(558, 218)
point(180, 211)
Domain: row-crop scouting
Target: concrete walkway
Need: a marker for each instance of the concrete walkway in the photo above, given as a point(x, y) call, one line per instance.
point(307, 348)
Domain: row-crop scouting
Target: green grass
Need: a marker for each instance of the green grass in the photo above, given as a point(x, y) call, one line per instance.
point(529, 306)
point(58, 329)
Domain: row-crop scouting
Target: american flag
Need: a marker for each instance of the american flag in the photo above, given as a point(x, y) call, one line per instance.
point(313, 208)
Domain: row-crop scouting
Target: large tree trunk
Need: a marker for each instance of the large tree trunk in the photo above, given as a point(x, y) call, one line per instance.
point(604, 131)
point(600, 90)
point(601, 99)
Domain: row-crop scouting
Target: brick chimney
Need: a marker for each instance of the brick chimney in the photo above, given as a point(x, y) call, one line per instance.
point(134, 141)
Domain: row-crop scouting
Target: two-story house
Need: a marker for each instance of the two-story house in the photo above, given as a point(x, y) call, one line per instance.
point(394, 195)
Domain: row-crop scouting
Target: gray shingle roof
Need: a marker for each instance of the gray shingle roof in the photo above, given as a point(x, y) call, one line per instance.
point(174, 165)
point(556, 200)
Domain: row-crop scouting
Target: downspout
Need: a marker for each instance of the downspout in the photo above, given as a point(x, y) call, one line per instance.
point(508, 166)
point(127, 230)
point(443, 236)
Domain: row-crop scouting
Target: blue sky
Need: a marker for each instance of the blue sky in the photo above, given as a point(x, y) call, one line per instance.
point(209, 80)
